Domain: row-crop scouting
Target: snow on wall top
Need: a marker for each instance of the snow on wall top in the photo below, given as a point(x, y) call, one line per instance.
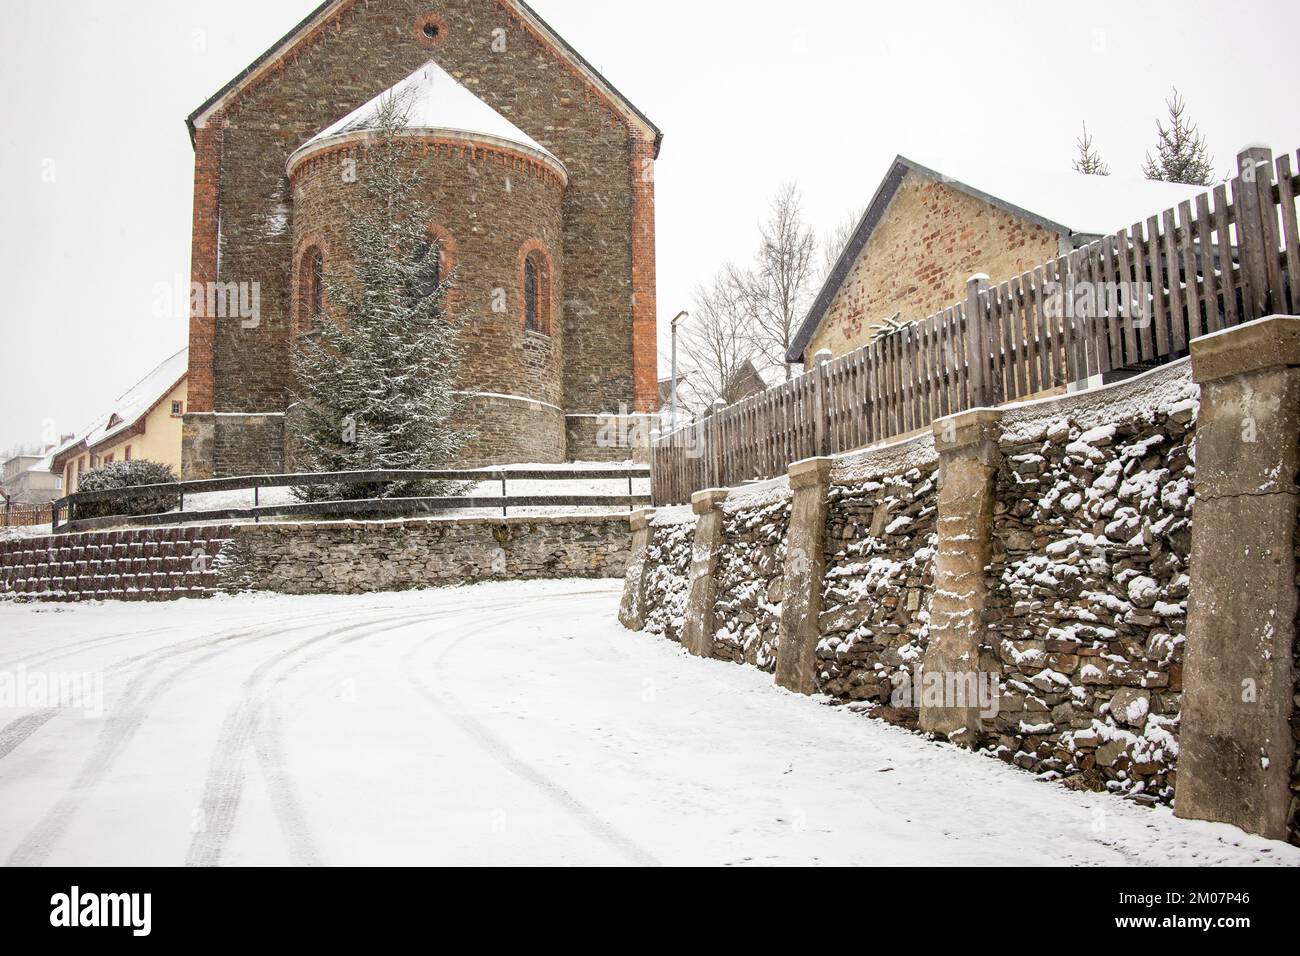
point(1134, 399)
point(895, 458)
point(434, 100)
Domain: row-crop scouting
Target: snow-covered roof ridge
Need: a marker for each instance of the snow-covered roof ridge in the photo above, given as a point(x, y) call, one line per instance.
point(434, 101)
point(133, 404)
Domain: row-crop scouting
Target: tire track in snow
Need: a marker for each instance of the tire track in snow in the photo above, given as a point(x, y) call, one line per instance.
point(246, 726)
point(121, 726)
point(591, 821)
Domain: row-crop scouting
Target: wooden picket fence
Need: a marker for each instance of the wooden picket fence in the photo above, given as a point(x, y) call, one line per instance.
point(1231, 256)
point(25, 516)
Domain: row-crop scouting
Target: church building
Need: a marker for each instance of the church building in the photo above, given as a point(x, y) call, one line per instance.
point(540, 176)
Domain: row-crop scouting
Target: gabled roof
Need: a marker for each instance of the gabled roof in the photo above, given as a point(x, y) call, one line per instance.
point(330, 7)
point(131, 406)
point(1077, 206)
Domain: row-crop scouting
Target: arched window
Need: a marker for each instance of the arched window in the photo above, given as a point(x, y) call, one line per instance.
point(530, 294)
point(311, 288)
point(427, 271)
point(535, 289)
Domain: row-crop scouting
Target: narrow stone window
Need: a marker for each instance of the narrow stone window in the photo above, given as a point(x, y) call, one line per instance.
point(535, 288)
point(311, 288)
point(530, 294)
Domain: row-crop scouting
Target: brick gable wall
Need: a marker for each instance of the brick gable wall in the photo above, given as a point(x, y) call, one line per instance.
point(931, 240)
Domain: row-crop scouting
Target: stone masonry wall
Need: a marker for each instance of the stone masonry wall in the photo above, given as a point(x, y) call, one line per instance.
point(879, 550)
point(750, 585)
point(339, 557)
point(669, 557)
point(355, 558)
point(1087, 603)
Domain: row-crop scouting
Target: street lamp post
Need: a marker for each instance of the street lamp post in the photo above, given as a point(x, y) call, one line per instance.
point(672, 415)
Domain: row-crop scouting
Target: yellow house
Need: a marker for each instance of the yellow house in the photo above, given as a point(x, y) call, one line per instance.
point(144, 424)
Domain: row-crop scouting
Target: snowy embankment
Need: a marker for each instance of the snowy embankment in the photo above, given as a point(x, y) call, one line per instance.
point(402, 729)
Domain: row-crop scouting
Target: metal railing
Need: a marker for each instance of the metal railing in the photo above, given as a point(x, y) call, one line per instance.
point(405, 507)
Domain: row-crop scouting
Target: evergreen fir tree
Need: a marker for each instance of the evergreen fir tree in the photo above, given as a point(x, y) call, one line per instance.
point(1181, 153)
point(376, 378)
point(1089, 160)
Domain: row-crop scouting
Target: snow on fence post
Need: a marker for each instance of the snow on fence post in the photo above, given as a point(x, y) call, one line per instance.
point(715, 442)
point(821, 401)
point(631, 612)
point(701, 613)
point(977, 324)
point(968, 465)
point(805, 569)
point(1237, 750)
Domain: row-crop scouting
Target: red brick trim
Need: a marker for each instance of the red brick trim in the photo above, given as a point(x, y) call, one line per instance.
point(203, 259)
point(645, 337)
point(439, 26)
point(448, 250)
point(302, 293)
point(534, 249)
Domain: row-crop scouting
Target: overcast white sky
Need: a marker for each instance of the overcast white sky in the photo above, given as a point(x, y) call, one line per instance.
point(749, 93)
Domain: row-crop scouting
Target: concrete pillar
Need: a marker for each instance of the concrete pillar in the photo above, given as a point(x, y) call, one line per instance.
point(631, 612)
point(701, 618)
point(805, 568)
point(1236, 745)
point(947, 692)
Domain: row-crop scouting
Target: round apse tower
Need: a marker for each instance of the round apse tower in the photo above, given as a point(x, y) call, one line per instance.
point(496, 199)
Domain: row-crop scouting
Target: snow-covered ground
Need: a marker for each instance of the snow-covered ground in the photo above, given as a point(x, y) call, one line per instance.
point(501, 723)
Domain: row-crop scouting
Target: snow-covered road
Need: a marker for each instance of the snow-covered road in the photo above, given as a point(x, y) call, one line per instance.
point(503, 723)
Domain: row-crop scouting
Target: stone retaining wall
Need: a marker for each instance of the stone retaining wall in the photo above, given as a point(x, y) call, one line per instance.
point(341, 557)
point(750, 585)
point(880, 545)
point(1075, 617)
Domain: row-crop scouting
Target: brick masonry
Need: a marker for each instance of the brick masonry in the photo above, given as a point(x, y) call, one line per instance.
point(243, 199)
point(931, 240)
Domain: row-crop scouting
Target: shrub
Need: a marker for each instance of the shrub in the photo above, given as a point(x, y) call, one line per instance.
point(127, 474)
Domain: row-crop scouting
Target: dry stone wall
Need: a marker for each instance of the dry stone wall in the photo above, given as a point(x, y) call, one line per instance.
point(750, 584)
point(338, 557)
point(876, 602)
point(668, 582)
point(1087, 597)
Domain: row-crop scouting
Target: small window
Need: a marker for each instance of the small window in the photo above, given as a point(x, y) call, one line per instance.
point(430, 30)
point(126, 454)
point(427, 269)
point(530, 295)
point(536, 291)
point(108, 459)
point(178, 409)
point(311, 288)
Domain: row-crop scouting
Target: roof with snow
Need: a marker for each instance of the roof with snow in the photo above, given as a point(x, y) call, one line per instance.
point(1077, 206)
point(433, 100)
point(131, 406)
point(331, 8)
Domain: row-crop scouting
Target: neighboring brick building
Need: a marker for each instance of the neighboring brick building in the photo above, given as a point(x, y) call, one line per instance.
point(540, 175)
point(925, 233)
